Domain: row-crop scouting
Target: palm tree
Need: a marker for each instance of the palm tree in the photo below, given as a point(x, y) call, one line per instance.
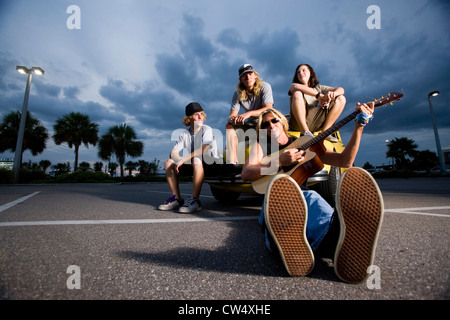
point(75, 128)
point(112, 166)
point(85, 166)
point(120, 141)
point(143, 167)
point(130, 166)
point(153, 167)
point(98, 166)
point(425, 160)
point(44, 164)
point(34, 139)
point(62, 168)
point(399, 149)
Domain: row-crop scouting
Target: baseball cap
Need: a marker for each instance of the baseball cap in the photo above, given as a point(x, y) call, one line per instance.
point(245, 68)
point(192, 108)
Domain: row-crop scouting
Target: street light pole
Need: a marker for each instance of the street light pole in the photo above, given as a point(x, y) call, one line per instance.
point(393, 161)
point(23, 118)
point(436, 134)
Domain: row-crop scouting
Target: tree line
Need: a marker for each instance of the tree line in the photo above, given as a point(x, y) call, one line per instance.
point(76, 129)
point(406, 157)
point(120, 141)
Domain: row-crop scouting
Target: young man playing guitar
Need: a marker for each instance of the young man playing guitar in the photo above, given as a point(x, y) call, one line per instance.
point(300, 223)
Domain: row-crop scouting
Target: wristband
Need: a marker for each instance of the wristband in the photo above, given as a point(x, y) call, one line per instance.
point(363, 118)
point(317, 95)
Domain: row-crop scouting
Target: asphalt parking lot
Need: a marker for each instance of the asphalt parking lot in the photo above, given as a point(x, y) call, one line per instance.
point(109, 242)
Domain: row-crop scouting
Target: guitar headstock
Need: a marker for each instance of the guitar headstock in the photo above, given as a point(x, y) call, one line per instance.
point(389, 98)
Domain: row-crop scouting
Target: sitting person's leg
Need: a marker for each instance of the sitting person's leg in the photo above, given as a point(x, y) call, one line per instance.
point(232, 143)
point(175, 200)
point(297, 121)
point(334, 112)
point(193, 203)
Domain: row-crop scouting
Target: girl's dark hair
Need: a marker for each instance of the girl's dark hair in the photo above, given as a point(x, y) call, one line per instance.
point(313, 81)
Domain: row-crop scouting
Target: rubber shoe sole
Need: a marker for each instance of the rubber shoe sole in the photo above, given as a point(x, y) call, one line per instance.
point(175, 205)
point(360, 208)
point(193, 207)
point(286, 214)
point(168, 207)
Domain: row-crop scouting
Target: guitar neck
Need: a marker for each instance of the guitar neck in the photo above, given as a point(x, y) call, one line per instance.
point(337, 125)
point(329, 131)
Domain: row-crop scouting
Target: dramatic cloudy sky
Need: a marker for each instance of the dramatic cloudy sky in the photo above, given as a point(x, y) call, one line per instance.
point(140, 62)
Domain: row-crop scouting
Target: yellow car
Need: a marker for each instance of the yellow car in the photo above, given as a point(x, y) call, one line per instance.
point(226, 183)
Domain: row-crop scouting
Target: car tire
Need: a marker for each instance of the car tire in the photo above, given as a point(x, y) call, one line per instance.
point(327, 189)
point(223, 195)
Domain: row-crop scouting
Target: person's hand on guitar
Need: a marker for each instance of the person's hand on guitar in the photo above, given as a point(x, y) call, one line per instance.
point(365, 113)
point(291, 156)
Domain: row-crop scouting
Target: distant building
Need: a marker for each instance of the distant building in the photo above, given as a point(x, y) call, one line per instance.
point(446, 153)
point(6, 163)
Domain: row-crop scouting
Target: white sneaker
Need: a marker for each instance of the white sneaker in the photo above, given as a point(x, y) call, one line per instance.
point(171, 204)
point(332, 139)
point(191, 205)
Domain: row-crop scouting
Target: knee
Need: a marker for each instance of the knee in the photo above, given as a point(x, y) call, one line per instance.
point(197, 166)
point(168, 164)
point(341, 100)
point(297, 95)
point(197, 162)
point(230, 131)
point(297, 100)
point(228, 126)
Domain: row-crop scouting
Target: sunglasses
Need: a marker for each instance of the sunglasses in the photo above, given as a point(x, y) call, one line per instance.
point(266, 124)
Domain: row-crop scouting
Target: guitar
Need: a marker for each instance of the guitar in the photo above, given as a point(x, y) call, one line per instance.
point(311, 163)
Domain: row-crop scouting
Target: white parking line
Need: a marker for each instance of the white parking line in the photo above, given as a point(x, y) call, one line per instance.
point(182, 194)
point(84, 222)
point(415, 211)
point(13, 203)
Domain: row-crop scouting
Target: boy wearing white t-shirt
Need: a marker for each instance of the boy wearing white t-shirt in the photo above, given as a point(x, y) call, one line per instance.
point(199, 141)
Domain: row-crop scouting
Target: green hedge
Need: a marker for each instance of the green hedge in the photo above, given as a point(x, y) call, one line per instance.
point(84, 177)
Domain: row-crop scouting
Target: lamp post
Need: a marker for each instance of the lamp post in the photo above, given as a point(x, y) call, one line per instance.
point(23, 118)
point(436, 134)
point(393, 162)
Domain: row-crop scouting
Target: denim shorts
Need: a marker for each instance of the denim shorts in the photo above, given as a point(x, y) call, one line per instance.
point(319, 218)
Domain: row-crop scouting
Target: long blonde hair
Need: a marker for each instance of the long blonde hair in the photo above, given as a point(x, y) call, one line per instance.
point(242, 90)
point(277, 114)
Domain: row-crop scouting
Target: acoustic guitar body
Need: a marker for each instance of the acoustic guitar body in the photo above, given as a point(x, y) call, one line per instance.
point(299, 172)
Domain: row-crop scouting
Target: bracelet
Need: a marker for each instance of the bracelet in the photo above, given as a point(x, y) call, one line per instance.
point(363, 118)
point(317, 95)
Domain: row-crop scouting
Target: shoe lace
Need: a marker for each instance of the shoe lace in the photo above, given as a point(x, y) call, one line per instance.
point(171, 199)
point(189, 202)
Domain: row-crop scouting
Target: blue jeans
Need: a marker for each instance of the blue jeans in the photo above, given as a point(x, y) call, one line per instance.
point(319, 219)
